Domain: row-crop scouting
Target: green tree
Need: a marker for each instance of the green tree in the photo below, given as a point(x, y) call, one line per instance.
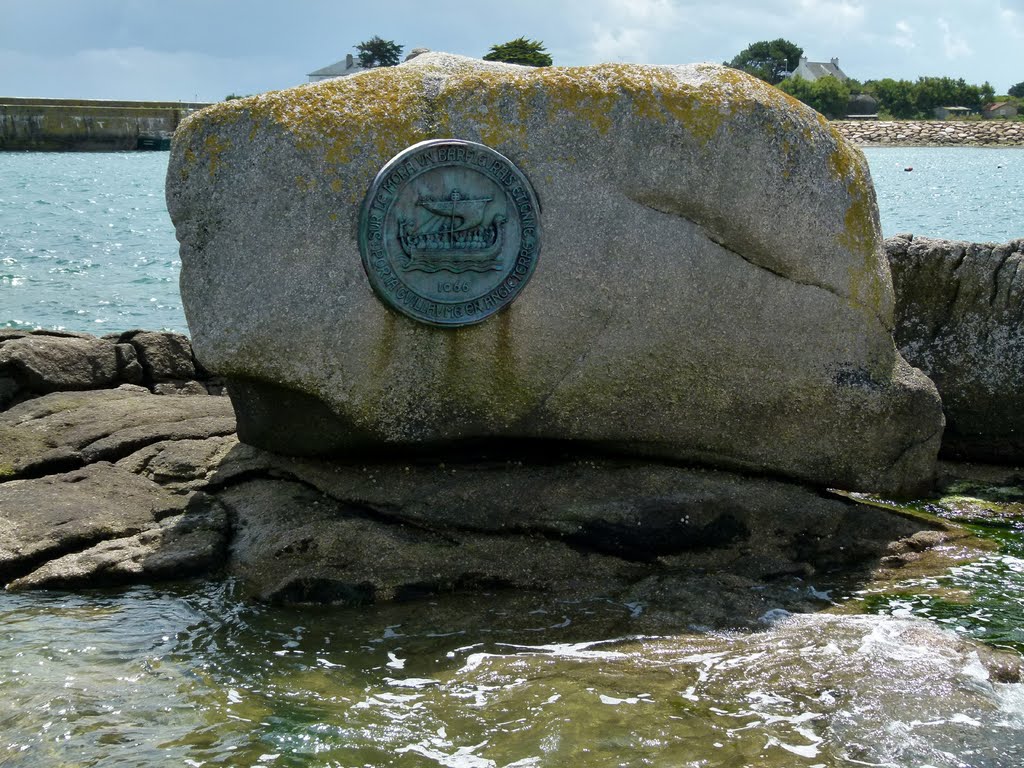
point(770, 60)
point(826, 94)
point(1017, 91)
point(377, 52)
point(897, 97)
point(934, 92)
point(520, 51)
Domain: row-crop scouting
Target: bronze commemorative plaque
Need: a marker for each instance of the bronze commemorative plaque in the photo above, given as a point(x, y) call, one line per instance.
point(449, 232)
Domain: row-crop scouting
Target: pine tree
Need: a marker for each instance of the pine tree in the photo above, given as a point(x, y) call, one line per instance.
point(377, 52)
point(520, 51)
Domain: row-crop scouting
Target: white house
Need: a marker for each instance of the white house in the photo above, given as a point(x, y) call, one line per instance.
point(349, 66)
point(999, 109)
point(813, 70)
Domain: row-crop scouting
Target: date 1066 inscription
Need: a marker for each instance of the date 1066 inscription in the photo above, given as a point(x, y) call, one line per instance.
point(449, 232)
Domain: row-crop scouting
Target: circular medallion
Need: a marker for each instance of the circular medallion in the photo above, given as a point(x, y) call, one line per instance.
point(449, 232)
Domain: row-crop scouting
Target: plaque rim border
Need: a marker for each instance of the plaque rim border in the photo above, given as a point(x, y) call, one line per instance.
point(363, 222)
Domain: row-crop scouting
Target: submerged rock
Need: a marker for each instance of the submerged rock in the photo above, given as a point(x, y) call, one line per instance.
point(711, 284)
point(960, 319)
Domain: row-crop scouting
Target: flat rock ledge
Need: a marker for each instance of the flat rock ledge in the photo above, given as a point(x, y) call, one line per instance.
point(114, 487)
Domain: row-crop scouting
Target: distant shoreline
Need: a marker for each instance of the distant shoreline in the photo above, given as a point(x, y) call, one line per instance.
point(77, 125)
point(932, 133)
point(89, 125)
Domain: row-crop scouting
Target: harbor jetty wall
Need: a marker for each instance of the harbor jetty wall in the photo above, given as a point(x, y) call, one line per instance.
point(933, 133)
point(89, 124)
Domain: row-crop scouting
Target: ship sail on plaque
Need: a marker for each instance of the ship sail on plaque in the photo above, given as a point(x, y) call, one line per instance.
point(453, 234)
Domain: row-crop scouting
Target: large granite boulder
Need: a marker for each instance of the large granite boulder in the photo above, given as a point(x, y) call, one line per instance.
point(960, 319)
point(711, 284)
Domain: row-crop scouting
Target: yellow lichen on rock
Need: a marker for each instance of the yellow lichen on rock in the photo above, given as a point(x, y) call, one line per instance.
point(860, 235)
point(214, 147)
point(329, 116)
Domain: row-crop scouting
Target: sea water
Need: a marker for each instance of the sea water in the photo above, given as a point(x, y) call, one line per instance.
point(86, 243)
point(956, 193)
point(195, 675)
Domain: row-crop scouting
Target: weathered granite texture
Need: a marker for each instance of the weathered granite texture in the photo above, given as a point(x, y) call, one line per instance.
point(711, 287)
point(960, 319)
point(33, 363)
point(158, 490)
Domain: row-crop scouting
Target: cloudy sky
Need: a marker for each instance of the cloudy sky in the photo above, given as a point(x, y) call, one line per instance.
point(205, 49)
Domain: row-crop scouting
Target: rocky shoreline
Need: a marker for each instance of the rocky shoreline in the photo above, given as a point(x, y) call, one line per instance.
point(932, 133)
point(34, 363)
point(119, 464)
point(122, 486)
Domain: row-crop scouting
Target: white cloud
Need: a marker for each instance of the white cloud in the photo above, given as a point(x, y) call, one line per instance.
point(904, 37)
point(644, 12)
point(630, 30)
point(837, 12)
point(619, 45)
point(1012, 14)
point(954, 46)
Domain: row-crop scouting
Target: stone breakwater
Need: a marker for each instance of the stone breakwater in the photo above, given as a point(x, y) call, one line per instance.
point(932, 133)
point(62, 125)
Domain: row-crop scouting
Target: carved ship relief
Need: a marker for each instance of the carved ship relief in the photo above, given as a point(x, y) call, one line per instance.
point(453, 235)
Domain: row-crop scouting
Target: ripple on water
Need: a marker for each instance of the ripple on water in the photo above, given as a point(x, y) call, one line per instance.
point(85, 228)
point(957, 193)
point(195, 676)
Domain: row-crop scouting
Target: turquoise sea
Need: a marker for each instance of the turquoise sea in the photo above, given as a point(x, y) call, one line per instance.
point(86, 243)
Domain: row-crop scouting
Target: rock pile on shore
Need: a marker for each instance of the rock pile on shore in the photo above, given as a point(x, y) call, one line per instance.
point(37, 362)
point(699, 353)
point(122, 485)
point(932, 133)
